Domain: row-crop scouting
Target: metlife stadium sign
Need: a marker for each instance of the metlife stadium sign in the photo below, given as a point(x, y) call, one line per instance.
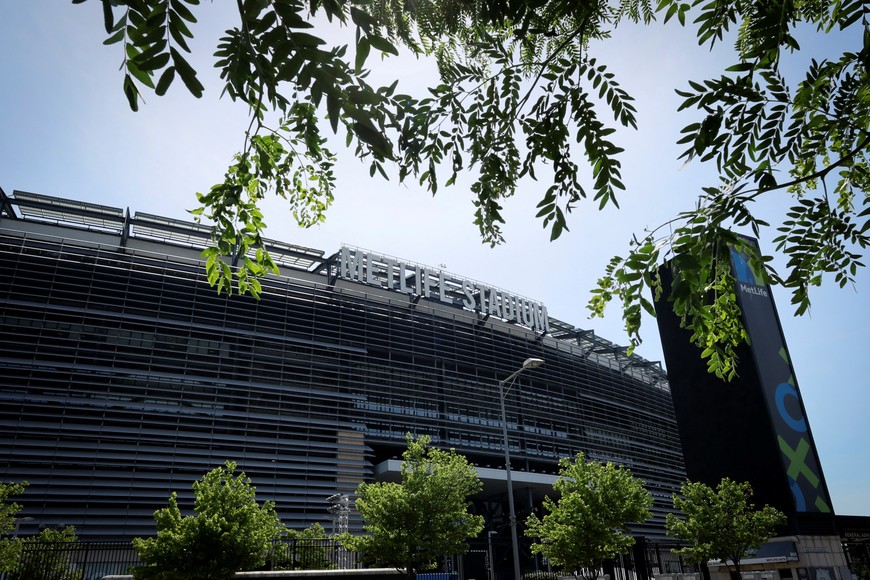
point(435, 284)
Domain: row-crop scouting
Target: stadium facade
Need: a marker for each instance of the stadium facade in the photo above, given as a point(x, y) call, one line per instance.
point(123, 376)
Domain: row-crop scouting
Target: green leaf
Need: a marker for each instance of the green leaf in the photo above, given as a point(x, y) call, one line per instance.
point(131, 92)
point(380, 145)
point(382, 44)
point(181, 10)
point(165, 80)
point(741, 67)
point(186, 72)
point(333, 110)
point(115, 37)
point(362, 53)
point(156, 63)
point(143, 77)
point(108, 16)
point(303, 39)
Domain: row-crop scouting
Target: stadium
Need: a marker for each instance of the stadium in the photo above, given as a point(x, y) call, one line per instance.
point(124, 376)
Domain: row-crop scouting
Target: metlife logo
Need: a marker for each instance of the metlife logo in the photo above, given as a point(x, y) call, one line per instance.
point(754, 290)
point(746, 278)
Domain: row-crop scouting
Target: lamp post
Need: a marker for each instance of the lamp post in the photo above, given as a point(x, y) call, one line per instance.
point(529, 363)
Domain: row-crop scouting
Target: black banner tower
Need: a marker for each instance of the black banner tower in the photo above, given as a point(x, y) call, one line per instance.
point(755, 427)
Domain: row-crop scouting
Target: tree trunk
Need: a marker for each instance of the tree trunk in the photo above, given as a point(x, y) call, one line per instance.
point(735, 572)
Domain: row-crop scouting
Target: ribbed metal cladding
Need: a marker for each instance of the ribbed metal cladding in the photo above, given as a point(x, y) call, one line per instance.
point(124, 376)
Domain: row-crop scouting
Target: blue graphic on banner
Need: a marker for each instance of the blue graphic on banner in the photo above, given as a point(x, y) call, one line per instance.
point(799, 424)
point(742, 271)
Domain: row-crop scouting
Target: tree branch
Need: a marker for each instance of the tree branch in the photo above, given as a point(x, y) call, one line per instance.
point(543, 65)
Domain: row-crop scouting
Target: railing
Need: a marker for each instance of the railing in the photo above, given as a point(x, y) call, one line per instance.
point(93, 560)
point(73, 561)
point(311, 554)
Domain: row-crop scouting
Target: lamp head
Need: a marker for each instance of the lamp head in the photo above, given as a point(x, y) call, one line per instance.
point(531, 363)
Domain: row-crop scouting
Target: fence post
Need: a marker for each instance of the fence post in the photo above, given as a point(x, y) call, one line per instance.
point(85, 560)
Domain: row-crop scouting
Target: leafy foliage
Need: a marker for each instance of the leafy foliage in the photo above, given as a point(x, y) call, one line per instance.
point(722, 523)
point(702, 289)
point(229, 531)
point(755, 127)
point(286, 77)
point(589, 522)
point(48, 557)
point(9, 547)
point(518, 90)
point(520, 95)
point(308, 549)
point(413, 523)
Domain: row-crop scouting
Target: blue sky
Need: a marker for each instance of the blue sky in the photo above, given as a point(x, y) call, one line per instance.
point(67, 131)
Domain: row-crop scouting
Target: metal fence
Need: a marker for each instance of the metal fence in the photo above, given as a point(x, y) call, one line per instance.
point(93, 560)
point(311, 554)
point(41, 560)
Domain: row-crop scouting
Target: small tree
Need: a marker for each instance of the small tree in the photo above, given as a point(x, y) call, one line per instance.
point(305, 550)
point(721, 524)
point(589, 522)
point(46, 556)
point(9, 548)
point(229, 531)
point(413, 523)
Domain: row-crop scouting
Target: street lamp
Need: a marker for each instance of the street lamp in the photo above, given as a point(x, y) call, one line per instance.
point(529, 363)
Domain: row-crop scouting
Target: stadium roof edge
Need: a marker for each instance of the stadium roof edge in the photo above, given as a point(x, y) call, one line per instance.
point(107, 219)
